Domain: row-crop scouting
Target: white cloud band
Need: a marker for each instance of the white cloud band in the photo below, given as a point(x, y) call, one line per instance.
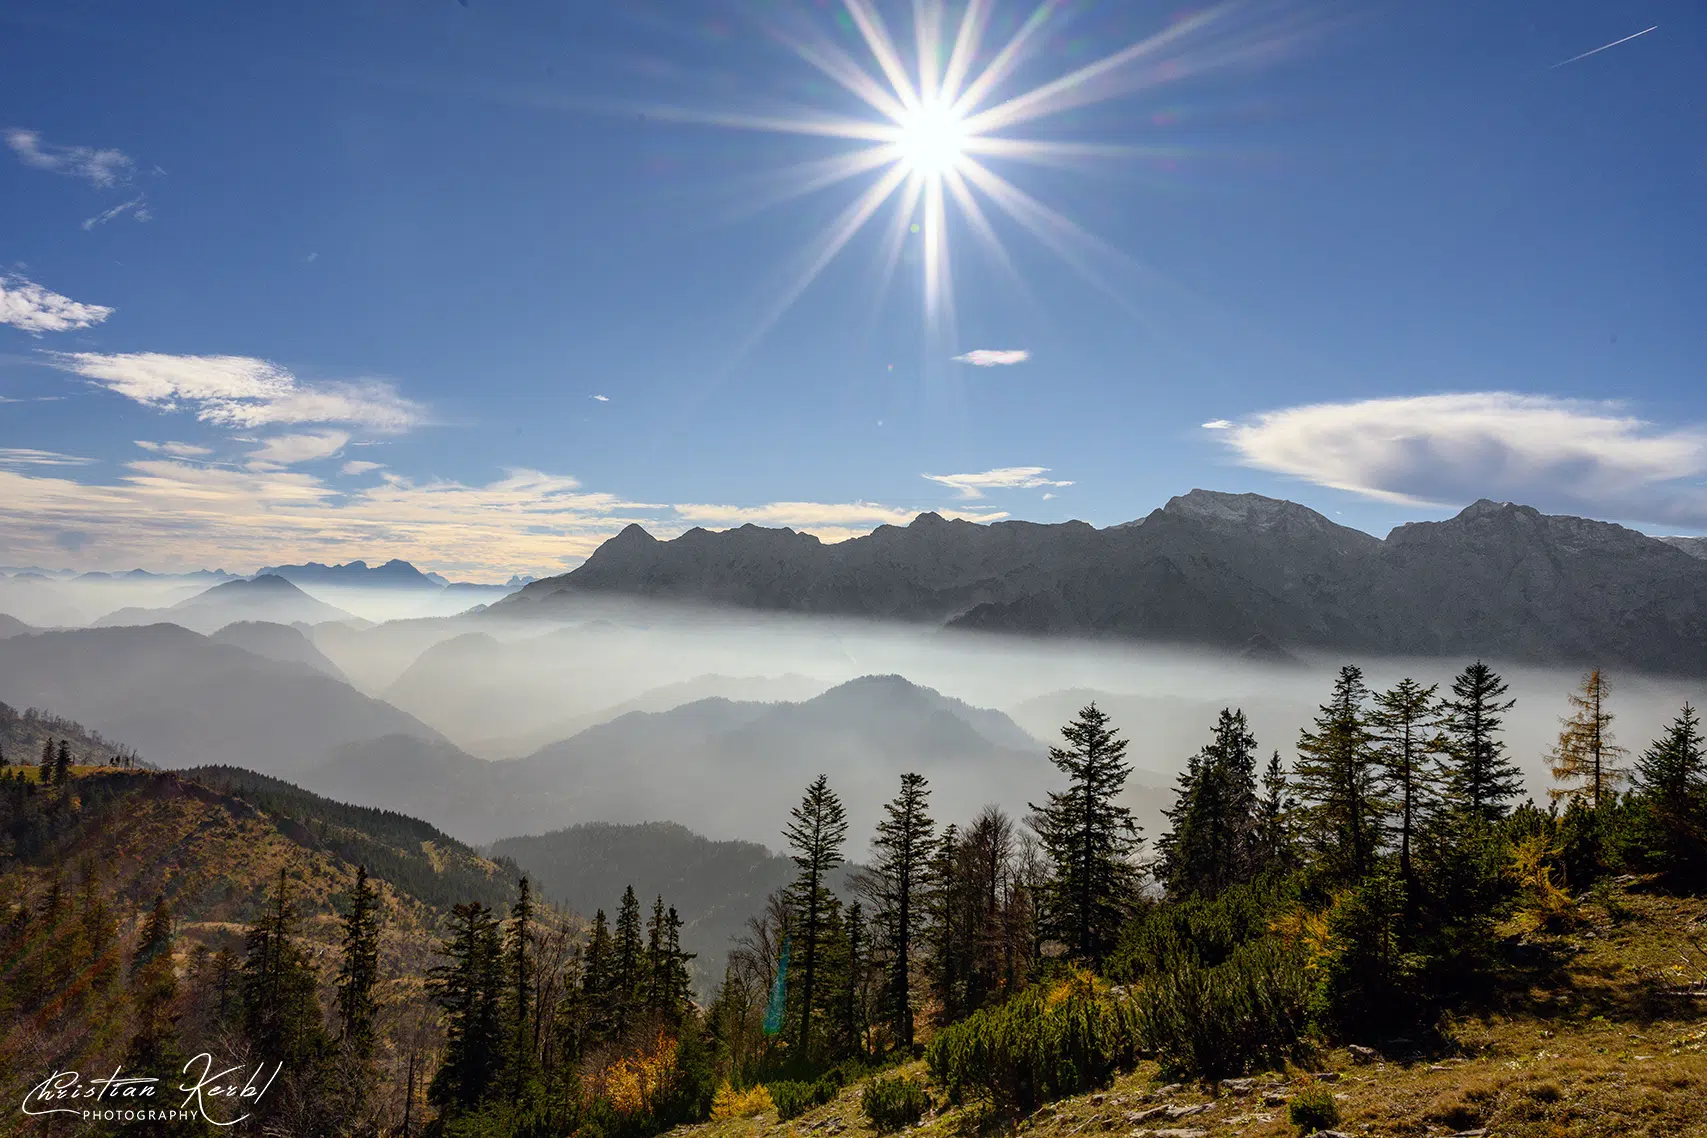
point(27, 305)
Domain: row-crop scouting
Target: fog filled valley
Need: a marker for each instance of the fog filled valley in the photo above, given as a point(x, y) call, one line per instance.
point(694, 728)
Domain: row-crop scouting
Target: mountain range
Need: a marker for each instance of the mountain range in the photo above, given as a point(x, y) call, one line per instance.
point(265, 598)
point(1208, 568)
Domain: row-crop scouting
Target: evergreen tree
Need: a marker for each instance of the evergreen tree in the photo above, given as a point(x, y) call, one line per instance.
point(156, 935)
point(898, 885)
point(62, 763)
point(628, 961)
point(519, 977)
point(598, 984)
point(1274, 819)
point(44, 774)
point(655, 972)
point(677, 989)
point(281, 1009)
point(1337, 778)
point(815, 834)
point(1585, 753)
point(851, 1020)
point(1671, 801)
point(470, 989)
point(1212, 844)
point(153, 1046)
point(1089, 838)
point(947, 932)
point(1480, 780)
point(1405, 734)
point(359, 972)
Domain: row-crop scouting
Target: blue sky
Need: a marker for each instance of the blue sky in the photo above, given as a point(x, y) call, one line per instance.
point(347, 280)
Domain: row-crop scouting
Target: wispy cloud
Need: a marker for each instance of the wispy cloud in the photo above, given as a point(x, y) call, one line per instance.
point(602, 398)
point(241, 391)
point(1564, 455)
point(137, 204)
point(176, 450)
point(993, 357)
point(1003, 478)
point(1218, 425)
point(360, 466)
point(100, 167)
point(289, 450)
point(1603, 47)
point(27, 305)
point(23, 456)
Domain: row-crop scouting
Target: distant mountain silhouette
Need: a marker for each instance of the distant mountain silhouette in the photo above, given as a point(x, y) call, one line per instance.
point(12, 626)
point(278, 642)
point(183, 699)
point(266, 598)
point(1694, 546)
point(1207, 568)
point(730, 769)
point(394, 574)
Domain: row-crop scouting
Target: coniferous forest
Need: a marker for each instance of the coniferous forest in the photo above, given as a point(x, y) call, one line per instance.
point(1367, 885)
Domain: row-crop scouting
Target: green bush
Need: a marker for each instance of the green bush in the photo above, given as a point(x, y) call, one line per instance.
point(1045, 1043)
point(1214, 1023)
point(891, 1103)
point(1197, 932)
point(794, 1098)
point(1313, 1109)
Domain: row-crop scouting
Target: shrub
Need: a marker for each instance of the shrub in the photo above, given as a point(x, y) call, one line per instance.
point(732, 1103)
point(1041, 1045)
point(794, 1098)
point(893, 1103)
point(1213, 1023)
point(1313, 1109)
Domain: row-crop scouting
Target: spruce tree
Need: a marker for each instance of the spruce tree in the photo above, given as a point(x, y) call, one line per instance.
point(1585, 753)
point(1212, 844)
point(281, 1008)
point(898, 885)
point(628, 960)
point(469, 986)
point(1480, 780)
point(1337, 778)
point(519, 969)
point(656, 971)
point(1089, 838)
point(1274, 819)
point(156, 935)
point(1405, 733)
point(62, 763)
point(598, 983)
point(358, 973)
point(1671, 800)
point(947, 928)
point(815, 834)
point(44, 774)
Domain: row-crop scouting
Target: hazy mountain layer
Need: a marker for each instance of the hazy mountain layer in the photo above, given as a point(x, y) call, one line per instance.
point(271, 599)
point(184, 700)
point(1498, 579)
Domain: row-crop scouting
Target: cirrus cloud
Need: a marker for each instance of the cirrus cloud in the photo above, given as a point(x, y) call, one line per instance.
point(993, 357)
point(242, 391)
point(1567, 455)
point(98, 166)
point(1002, 478)
point(27, 305)
point(289, 450)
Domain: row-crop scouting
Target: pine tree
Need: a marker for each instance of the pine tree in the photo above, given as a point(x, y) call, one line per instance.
point(1337, 778)
point(1585, 753)
point(656, 971)
point(1212, 844)
point(45, 774)
point(62, 763)
point(359, 972)
point(470, 989)
point(519, 977)
point(898, 885)
point(1671, 797)
point(1274, 819)
point(815, 835)
point(947, 929)
point(597, 985)
point(1405, 733)
point(677, 988)
point(628, 962)
point(156, 935)
point(1480, 780)
point(1089, 838)
point(281, 1009)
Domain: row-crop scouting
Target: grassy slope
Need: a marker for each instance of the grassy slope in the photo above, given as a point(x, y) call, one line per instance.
point(1584, 1047)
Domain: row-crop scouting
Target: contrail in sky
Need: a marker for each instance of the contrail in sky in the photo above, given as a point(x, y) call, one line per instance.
point(1602, 48)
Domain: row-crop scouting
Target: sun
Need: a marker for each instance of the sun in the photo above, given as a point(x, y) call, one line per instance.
point(930, 139)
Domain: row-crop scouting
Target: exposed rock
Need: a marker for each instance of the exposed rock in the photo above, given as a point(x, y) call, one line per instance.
point(1237, 570)
point(1325, 1076)
point(1361, 1054)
